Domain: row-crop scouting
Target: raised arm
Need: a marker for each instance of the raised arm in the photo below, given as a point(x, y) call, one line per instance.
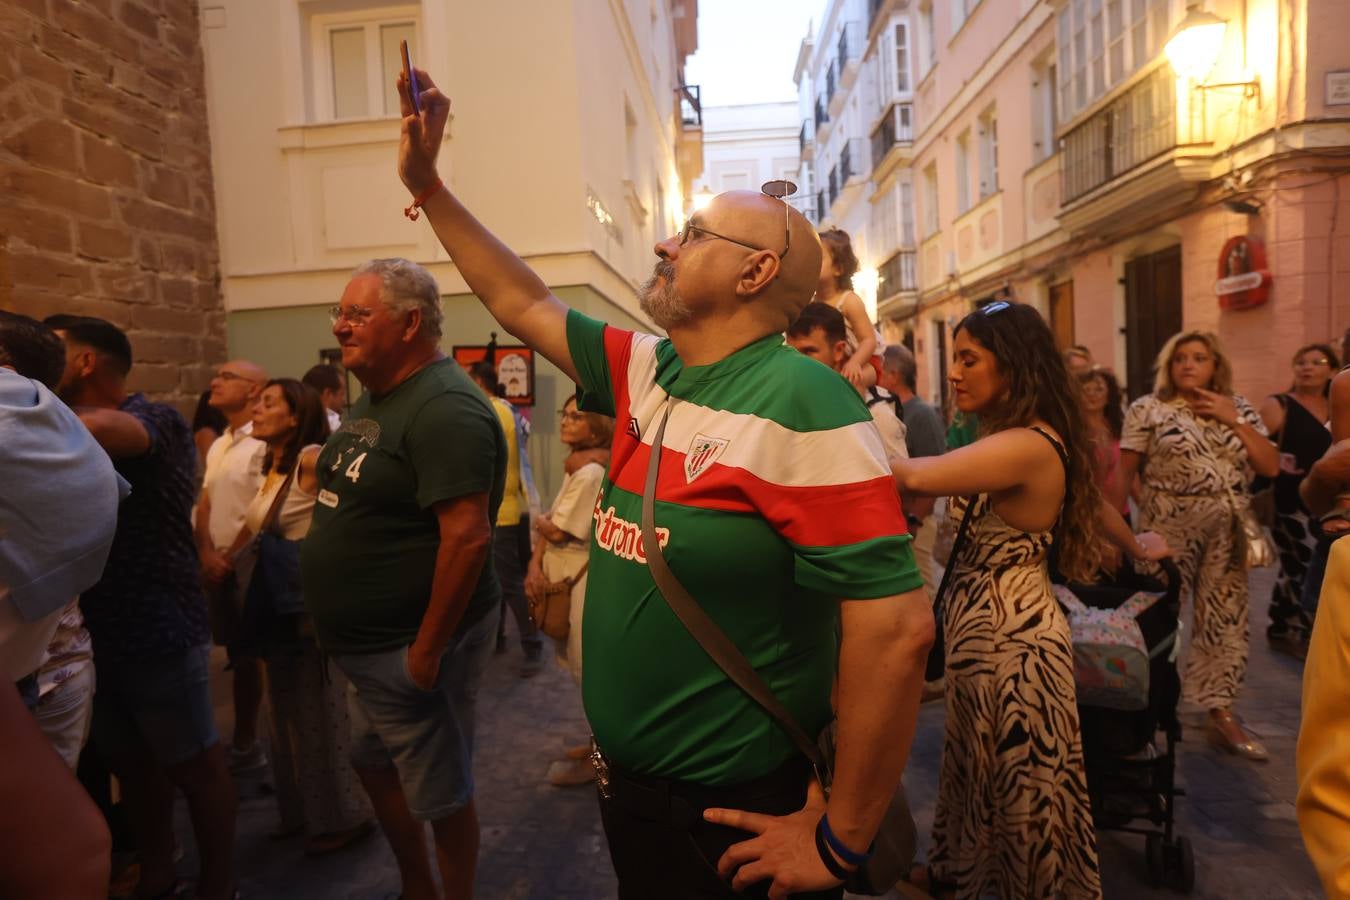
point(1000, 462)
point(121, 435)
point(515, 296)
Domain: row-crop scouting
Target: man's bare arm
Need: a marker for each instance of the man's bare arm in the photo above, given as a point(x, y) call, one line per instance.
point(515, 296)
point(121, 435)
point(465, 541)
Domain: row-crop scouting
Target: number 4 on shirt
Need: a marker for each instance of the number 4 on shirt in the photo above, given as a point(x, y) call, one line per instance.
point(354, 470)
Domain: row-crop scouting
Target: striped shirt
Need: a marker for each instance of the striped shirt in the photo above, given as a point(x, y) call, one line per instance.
point(774, 499)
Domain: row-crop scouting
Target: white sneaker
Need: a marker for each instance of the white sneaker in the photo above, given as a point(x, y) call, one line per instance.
point(249, 759)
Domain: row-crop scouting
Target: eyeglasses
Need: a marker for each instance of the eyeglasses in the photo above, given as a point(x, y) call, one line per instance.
point(356, 315)
point(779, 190)
point(997, 306)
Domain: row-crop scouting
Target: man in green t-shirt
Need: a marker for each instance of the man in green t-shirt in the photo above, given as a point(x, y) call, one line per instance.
point(397, 566)
point(776, 509)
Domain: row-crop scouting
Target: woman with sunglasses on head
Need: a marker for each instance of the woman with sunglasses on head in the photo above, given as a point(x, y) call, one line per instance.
point(317, 790)
point(1013, 816)
point(1194, 444)
point(563, 547)
point(1299, 421)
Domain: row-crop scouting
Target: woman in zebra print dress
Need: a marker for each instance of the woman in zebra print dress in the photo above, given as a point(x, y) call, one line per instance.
point(1013, 816)
point(1194, 444)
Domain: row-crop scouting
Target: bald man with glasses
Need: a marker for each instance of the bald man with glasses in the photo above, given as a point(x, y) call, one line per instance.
point(772, 506)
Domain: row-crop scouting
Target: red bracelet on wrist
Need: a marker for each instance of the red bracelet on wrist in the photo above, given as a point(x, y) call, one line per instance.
point(412, 212)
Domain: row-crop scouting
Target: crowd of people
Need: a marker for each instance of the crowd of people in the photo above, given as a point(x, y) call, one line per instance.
point(769, 463)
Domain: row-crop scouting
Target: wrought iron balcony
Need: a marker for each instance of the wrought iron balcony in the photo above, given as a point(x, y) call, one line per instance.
point(896, 129)
point(820, 205)
point(852, 161)
point(806, 136)
point(833, 184)
point(822, 117)
point(691, 108)
point(850, 44)
point(898, 274)
point(1133, 129)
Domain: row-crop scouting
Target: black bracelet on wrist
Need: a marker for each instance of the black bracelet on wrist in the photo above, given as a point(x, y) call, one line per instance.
point(835, 867)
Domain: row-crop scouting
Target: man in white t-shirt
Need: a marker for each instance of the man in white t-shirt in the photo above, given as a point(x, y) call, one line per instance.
point(233, 475)
point(819, 333)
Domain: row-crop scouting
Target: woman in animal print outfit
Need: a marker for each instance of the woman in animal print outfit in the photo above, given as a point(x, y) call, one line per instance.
point(1194, 444)
point(1013, 815)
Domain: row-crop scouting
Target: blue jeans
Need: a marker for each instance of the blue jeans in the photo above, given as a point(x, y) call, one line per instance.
point(426, 735)
point(160, 705)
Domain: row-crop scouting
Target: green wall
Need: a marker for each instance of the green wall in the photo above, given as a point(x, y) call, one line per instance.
point(286, 341)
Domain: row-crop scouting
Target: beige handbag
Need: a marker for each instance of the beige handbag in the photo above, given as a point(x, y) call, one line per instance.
point(1257, 552)
point(551, 611)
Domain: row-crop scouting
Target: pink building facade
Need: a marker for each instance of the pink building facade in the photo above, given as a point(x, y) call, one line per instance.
point(1061, 161)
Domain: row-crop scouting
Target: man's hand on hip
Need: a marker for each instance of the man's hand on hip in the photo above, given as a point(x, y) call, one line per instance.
point(784, 849)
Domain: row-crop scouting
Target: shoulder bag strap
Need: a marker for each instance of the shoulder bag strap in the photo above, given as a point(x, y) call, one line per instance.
point(710, 637)
point(244, 537)
point(572, 581)
point(957, 546)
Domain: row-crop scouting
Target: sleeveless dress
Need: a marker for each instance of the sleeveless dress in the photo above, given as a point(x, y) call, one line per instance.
point(1306, 439)
point(1013, 816)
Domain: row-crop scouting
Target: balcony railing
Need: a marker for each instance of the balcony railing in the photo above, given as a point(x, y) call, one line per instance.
point(896, 129)
point(852, 160)
point(807, 136)
point(806, 205)
point(1134, 128)
point(873, 9)
point(850, 44)
point(691, 109)
point(829, 84)
point(898, 274)
point(820, 205)
point(833, 185)
point(821, 115)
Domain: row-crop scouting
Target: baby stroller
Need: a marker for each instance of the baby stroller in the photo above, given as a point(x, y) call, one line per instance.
point(1127, 692)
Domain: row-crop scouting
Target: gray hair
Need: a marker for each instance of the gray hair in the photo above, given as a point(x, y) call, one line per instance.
point(897, 360)
point(405, 286)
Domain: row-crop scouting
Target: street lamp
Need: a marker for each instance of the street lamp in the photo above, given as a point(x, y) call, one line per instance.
point(1194, 47)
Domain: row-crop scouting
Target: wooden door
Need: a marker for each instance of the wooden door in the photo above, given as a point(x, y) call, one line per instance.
point(1152, 313)
point(1061, 314)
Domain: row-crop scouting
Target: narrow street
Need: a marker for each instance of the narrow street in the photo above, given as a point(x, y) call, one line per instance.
point(541, 842)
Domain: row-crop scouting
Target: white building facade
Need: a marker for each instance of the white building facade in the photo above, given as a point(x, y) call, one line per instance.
point(572, 137)
point(855, 76)
point(747, 145)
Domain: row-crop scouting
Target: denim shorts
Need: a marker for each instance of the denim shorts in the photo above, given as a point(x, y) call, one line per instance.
point(161, 705)
point(426, 735)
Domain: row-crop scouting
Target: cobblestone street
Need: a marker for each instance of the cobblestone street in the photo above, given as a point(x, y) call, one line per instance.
point(543, 842)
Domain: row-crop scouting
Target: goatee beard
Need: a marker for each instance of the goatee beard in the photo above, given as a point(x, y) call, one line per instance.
point(658, 298)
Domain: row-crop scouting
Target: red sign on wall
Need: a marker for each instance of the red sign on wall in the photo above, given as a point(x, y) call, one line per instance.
point(1244, 280)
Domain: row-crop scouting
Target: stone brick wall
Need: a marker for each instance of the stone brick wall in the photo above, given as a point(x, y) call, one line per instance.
point(106, 200)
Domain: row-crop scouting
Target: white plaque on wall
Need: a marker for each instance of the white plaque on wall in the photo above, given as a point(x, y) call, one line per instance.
point(1338, 88)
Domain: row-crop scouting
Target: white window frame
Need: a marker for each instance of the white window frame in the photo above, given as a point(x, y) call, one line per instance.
point(320, 28)
point(961, 11)
point(905, 200)
point(1044, 110)
point(987, 136)
point(928, 38)
point(931, 223)
point(963, 196)
point(903, 81)
point(1086, 43)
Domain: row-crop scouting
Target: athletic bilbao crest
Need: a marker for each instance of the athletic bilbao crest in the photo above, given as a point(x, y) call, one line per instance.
point(703, 452)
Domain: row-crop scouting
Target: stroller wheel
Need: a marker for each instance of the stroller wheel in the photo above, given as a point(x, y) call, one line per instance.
point(1153, 859)
point(1181, 857)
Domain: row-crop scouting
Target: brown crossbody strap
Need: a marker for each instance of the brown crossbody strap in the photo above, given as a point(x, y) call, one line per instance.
point(710, 637)
point(245, 537)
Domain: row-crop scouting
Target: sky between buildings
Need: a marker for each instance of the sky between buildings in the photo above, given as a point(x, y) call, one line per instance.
point(747, 49)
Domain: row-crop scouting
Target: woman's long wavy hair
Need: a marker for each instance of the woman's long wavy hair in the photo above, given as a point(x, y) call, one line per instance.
point(311, 422)
point(1039, 388)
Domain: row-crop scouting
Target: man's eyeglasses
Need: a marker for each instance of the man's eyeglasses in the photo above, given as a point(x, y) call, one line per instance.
point(356, 315)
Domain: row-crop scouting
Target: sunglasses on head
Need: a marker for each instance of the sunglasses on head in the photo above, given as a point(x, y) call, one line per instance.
point(997, 306)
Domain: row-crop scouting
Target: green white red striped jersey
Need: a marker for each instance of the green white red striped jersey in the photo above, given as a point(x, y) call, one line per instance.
point(774, 499)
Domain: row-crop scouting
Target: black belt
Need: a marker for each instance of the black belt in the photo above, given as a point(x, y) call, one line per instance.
point(681, 803)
